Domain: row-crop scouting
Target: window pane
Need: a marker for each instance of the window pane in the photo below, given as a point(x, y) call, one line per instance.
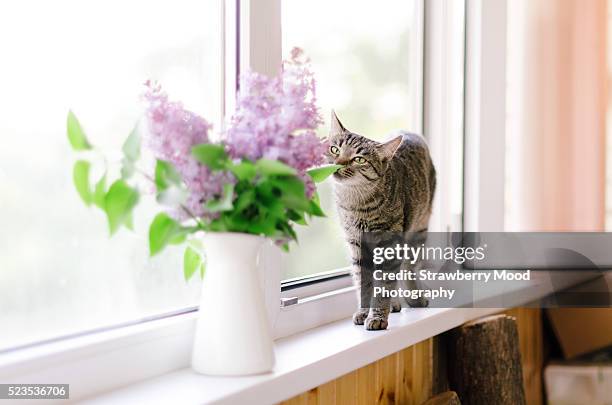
point(59, 271)
point(368, 65)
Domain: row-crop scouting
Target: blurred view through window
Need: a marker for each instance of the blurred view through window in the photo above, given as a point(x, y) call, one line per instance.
point(59, 270)
point(368, 68)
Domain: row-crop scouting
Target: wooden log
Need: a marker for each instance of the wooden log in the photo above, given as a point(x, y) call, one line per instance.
point(485, 362)
point(445, 398)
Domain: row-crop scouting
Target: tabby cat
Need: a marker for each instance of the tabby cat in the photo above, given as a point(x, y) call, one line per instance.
point(382, 187)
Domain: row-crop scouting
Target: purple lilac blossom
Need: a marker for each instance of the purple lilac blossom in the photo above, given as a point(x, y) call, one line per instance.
point(276, 118)
point(172, 132)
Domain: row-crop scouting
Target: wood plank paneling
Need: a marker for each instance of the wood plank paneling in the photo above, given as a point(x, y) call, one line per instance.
point(401, 378)
point(422, 371)
point(407, 377)
point(386, 369)
point(327, 393)
point(404, 376)
point(366, 384)
point(346, 389)
point(529, 323)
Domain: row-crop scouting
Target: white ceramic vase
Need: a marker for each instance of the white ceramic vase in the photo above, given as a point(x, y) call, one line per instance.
point(232, 333)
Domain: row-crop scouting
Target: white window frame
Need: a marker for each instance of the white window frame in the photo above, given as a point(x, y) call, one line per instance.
point(98, 362)
point(485, 115)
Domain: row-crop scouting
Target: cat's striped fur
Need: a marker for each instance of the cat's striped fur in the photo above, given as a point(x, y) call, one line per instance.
point(383, 187)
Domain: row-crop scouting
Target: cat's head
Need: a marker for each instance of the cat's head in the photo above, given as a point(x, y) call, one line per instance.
point(364, 160)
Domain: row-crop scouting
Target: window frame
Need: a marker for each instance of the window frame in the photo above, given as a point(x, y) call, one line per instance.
point(318, 299)
point(252, 39)
point(485, 115)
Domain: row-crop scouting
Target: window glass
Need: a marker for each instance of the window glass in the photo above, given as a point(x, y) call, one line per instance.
point(368, 65)
point(60, 272)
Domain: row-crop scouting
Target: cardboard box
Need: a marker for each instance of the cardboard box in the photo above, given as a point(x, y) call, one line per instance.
point(581, 330)
point(570, 384)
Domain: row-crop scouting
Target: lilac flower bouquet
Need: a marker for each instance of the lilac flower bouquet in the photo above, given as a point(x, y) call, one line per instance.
point(258, 179)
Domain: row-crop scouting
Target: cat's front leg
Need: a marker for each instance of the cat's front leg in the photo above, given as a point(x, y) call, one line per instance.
point(378, 317)
point(362, 311)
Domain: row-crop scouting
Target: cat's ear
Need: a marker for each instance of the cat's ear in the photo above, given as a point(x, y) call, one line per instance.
point(388, 149)
point(336, 126)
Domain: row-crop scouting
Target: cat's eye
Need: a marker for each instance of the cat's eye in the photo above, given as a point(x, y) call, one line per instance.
point(334, 150)
point(359, 160)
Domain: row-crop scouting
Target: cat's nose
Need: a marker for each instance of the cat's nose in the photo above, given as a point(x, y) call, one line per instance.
point(342, 161)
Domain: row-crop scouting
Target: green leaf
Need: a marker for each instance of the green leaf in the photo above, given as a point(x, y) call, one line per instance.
point(166, 175)
point(225, 203)
point(293, 193)
point(131, 153)
point(273, 209)
point(127, 168)
point(131, 146)
point(297, 217)
point(118, 204)
point(211, 155)
point(170, 188)
point(76, 135)
point(129, 221)
point(165, 230)
point(265, 227)
point(290, 186)
point(202, 269)
point(244, 171)
point(191, 262)
point(321, 173)
point(315, 209)
point(218, 225)
point(274, 168)
point(80, 176)
point(99, 192)
point(244, 200)
point(181, 236)
point(288, 230)
point(173, 196)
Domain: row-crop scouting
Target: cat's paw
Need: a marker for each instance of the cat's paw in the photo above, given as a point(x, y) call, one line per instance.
point(396, 306)
point(360, 315)
point(376, 323)
point(418, 303)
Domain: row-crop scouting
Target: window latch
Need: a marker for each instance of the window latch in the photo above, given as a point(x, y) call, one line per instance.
point(287, 302)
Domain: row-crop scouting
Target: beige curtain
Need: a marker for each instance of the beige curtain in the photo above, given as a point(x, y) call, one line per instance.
point(556, 103)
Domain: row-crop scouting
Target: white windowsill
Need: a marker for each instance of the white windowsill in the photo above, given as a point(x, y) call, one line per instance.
point(304, 361)
point(311, 358)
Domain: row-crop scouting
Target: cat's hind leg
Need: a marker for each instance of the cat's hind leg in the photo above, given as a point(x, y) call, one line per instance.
point(420, 302)
point(360, 316)
point(396, 302)
point(396, 305)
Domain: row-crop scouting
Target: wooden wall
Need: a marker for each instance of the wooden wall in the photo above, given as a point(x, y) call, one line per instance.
point(411, 376)
point(404, 377)
point(531, 340)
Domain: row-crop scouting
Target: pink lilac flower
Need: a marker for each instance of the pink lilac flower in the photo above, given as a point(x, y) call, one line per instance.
point(172, 132)
point(276, 118)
